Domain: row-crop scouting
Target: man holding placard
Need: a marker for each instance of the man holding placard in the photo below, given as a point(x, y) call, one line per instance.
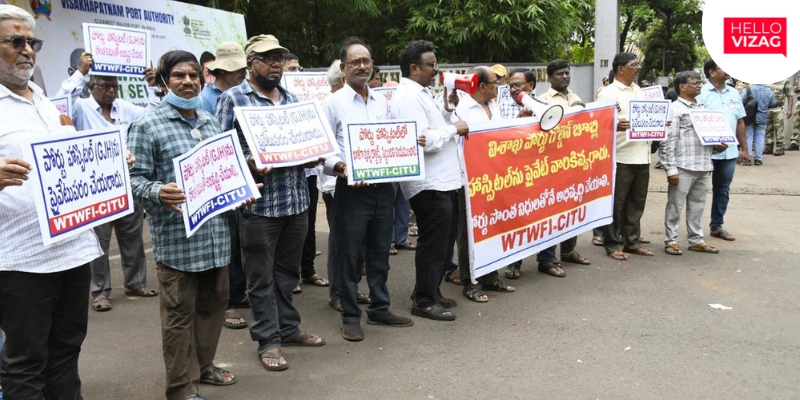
point(273, 229)
point(100, 110)
point(621, 237)
point(716, 95)
point(43, 289)
point(434, 199)
point(193, 270)
point(364, 211)
point(687, 163)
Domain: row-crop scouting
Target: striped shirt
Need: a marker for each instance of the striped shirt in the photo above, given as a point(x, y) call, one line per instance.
point(285, 190)
point(22, 248)
point(683, 148)
point(155, 139)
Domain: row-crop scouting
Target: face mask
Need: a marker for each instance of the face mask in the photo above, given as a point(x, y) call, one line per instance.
point(180, 102)
point(268, 84)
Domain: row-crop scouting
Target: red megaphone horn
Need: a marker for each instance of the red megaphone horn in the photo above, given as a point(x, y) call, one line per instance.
point(465, 83)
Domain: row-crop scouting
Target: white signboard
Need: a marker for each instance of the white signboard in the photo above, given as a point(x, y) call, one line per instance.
point(384, 151)
point(307, 86)
point(63, 104)
point(215, 178)
point(171, 25)
point(117, 51)
point(648, 120)
point(652, 93)
point(287, 135)
point(712, 127)
point(81, 180)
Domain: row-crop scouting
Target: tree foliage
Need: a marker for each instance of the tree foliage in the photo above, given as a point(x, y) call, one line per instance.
point(464, 31)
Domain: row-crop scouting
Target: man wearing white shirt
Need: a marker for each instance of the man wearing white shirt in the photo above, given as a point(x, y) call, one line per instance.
point(434, 199)
point(479, 107)
point(103, 109)
point(43, 302)
point(633, 165)
point(366, 208)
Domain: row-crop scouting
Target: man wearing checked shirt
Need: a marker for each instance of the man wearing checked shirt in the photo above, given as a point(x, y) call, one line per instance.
point(271, 231)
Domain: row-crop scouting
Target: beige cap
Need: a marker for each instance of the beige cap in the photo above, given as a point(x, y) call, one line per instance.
point(263, 44)
point(499, 70)
point(230, 57)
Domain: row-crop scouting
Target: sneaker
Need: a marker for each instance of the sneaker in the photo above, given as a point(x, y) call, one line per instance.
point(793, 147)
point(757, 162)
point(779, 152)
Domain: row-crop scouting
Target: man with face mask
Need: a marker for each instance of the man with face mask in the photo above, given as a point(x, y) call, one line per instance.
point(272, 230)
point(192, 271)
point(43, 301)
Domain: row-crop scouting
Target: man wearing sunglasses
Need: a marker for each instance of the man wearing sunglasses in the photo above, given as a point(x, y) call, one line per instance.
point(103, 109)
point(272, 230)
point(43, 302)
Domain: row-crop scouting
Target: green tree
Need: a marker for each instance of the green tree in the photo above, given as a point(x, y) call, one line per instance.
point(467, 31)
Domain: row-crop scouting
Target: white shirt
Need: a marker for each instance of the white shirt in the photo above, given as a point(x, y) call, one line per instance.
point(347, 105)
point(469, 111)
point(628, 152)
point(442, 173)
point(22, 248)
point(74, 85)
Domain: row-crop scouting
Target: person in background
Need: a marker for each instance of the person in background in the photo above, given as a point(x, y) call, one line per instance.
point(375, 80)
point(292, 63)
point(205, 59)
point(228, 70)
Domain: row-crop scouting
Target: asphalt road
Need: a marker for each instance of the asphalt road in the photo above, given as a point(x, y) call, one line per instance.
point(641, 329)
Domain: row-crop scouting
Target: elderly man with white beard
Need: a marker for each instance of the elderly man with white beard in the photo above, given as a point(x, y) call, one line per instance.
point(44, 298)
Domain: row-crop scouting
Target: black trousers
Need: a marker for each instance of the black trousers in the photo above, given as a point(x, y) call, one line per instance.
point(437, 220)
point(307, 269)
point(44, 317)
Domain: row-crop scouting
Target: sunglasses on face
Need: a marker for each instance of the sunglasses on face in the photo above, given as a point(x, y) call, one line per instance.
point(19, 42)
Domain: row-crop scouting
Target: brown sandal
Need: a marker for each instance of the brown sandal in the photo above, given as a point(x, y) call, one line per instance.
point(273, 360)
point(576, 258)
point(673, 249)
point(619, 255)
point(141, 292)
point(101, 303)
point(640, 251)
point(704, 248)
point(316, 280)
point(303, 339)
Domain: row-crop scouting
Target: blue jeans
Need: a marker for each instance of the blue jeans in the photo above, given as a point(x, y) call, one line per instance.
point(755, 139)
point(721, 183)
point(402, 210)
point(546, 258)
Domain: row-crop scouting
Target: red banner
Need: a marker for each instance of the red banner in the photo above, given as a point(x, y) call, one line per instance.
point(529, 189)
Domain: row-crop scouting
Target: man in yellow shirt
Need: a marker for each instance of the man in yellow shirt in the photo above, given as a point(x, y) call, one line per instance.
point(633, 164)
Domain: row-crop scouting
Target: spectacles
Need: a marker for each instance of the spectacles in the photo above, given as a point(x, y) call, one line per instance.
point(634, 65)
point(106, 86)
point(269, 60)
point(518, 85)
point(19, 42)
point(432, 65)
point(356, 63)
point(694, 83)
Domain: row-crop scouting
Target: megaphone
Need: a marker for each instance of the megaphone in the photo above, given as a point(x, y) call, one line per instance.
point(549, 115)
point(465, 83)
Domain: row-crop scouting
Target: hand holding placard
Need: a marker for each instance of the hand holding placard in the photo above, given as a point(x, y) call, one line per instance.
point(172, 196)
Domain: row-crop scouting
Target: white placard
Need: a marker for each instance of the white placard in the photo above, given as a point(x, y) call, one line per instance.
point(648, 120)
point(652, 93)
point(81, 180)
point(385, 151)
point(287, 135)
point(63, 104)
point(307, 86)
point(712, 127)
point(117, 51)
point(214, 177)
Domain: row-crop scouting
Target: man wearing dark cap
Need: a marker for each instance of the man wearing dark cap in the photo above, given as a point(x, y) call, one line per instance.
point(273, 229)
